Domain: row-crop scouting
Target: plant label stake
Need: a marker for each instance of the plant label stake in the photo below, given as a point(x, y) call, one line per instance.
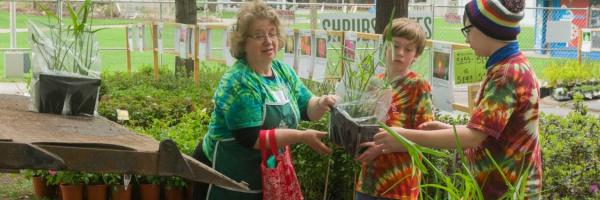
point(126, 180)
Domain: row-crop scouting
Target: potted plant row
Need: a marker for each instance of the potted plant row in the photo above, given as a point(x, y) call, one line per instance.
point(65, 63)
point(96, 186)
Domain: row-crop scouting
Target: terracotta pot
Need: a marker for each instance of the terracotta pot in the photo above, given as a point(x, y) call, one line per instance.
point(149, 192)
point(41, 190)
point(173, 194)
point(118, 192)
point(71, 192)
point(96, 192)
point(189, 192)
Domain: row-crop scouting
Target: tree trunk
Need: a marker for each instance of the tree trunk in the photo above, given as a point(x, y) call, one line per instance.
point(384, 11)
point(185, 13)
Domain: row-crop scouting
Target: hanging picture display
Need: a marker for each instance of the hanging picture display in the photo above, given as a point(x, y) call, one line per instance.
point(305, 59)
point(130, 33)
point(289, 54)
point(378, 56)
point(229, 59)
point(202, 42)
point(140, 37)
point(182, 43)
point(190, 41)
point(442, 72)
point(320, 66)
point(159, 36)
point(176, 34)
point(350, 50)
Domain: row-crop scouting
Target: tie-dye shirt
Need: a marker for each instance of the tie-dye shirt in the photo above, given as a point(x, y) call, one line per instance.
point(390, 175)
point(241, 95)
point(507, 111)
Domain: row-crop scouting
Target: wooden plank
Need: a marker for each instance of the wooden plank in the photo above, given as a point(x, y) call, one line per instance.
point(92, 144)
point(455, 46)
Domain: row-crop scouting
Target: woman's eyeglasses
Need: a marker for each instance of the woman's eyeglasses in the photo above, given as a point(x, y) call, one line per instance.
point(263, 36)
point(466, 30)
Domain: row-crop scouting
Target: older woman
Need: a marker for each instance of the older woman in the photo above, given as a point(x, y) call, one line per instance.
point(258, 93)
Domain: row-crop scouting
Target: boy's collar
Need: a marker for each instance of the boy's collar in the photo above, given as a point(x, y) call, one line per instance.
point(508, 50)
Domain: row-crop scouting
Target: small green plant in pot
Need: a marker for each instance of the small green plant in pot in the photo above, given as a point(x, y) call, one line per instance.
point(118, 190)
point(174, 188)
point(39, 179)
point(149, 186)
point(71, 184)
point(94, 186)
point(66, 64)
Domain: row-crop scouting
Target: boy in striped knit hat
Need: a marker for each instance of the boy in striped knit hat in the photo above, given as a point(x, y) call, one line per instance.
point(505, 118)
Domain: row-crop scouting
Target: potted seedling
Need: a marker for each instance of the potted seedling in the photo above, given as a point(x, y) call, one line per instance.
point(174, 188)
point(149, 187)
point(39, 179)
point(118, 190)
point(66, 65)
point(71, 187)
point(95, 186)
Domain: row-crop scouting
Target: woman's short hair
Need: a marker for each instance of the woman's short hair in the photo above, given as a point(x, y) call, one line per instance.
point(248, 14)
point(408, 29)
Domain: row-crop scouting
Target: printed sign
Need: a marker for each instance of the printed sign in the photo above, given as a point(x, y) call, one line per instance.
point(468, 68)
point(365, 22)
point(441, 85)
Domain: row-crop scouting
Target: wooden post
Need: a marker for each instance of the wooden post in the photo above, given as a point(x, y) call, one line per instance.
point(155, 47)
point(196, 57)
point(472, 90)
point(313, 15)
point(127, 49)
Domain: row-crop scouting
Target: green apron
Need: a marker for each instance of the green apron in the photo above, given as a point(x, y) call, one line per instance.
point(243, 164)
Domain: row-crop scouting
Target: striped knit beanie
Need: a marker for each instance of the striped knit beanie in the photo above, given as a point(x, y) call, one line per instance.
point(498, 19)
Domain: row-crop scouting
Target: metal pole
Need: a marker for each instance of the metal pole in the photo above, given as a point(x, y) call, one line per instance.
point(13, 24)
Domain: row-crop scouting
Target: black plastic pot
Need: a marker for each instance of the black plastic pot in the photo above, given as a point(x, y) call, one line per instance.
point(56, 91)
point(350, 133)
point(545, 91)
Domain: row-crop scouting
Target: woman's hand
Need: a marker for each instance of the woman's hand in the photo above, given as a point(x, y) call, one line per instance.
point(371, 153)
point(313, 139)
point(434, 125)
point(389, 143)
point(325, 102)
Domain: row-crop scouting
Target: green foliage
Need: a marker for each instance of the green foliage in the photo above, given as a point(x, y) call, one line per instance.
point(174, 182)
point(570, 72)
point(92, 178)
point(312, 169)
point(146, 99)
point(69, 177)
point(571, 154)
point(113, 179)
point(143, 179)
point(570, 144)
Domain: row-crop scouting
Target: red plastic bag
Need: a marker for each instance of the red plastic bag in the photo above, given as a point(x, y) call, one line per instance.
point(280, 182)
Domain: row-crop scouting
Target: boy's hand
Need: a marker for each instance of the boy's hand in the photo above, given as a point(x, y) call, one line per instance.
point(371, 153)
point(434, 125)
point(313, 139)
point(389, 143)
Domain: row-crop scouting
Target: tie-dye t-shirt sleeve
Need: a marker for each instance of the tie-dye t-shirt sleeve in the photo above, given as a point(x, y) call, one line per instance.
point(496, 104)
point(240, 104)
